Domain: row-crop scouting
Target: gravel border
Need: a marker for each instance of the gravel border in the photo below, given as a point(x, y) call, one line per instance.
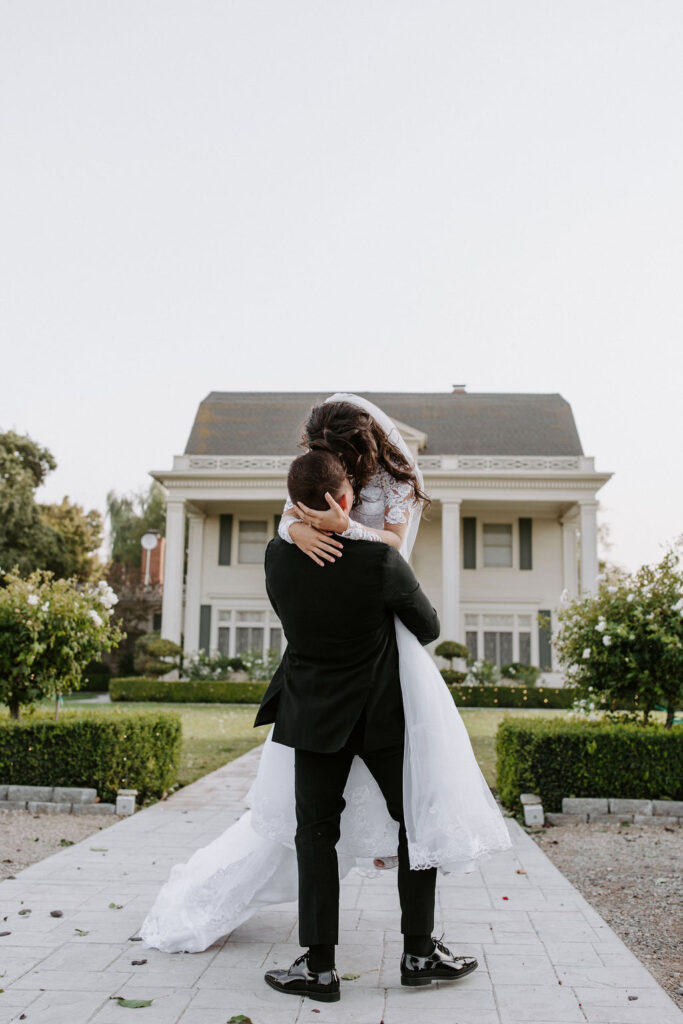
point(632, 875)
point(26, 838)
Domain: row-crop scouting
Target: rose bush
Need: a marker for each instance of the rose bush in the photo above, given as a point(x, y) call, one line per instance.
point(623, 646)
point(49, 630)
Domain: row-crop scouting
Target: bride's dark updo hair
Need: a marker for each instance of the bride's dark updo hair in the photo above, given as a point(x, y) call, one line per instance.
point(356, 438)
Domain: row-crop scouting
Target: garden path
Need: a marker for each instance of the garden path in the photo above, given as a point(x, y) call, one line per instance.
point(546, 956)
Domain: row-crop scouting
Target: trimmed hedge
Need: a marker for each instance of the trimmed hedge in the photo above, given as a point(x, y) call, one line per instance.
point(206, 691)
point(513, 696)
point(122, 750)
point(224, 691)
point(557, 758)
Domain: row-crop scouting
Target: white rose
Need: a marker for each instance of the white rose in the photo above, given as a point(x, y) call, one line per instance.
point(95, 617)
point(607, 640)
point(611, 590)
point(32, 599)
point(601, 625)
point(45, 606)
point(678, 607)
point(629, 597)
point(586, 652)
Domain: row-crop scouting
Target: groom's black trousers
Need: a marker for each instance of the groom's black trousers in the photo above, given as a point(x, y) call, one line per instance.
point(319, 784)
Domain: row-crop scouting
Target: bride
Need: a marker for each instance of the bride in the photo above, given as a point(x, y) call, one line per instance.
point(451, 826)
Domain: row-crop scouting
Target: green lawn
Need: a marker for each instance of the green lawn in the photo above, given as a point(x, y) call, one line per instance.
point(214, 734)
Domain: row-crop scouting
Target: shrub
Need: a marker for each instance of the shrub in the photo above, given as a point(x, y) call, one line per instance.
point(525, 675)
point(450, 650)
point(512, 697)
point(211, 666)
point(130, 750)
point(557, 758)
point(155, 656)
point(452, 677)
point(624, 645)
point(50, 629)
point(208, 691)
point(482, 673)
point(96, 676)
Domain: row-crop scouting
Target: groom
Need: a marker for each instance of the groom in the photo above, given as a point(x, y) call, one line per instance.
point(335, 694)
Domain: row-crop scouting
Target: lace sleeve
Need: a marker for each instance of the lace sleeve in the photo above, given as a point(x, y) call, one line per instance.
point(356, 531)
point(398, 498)
point(286, 521)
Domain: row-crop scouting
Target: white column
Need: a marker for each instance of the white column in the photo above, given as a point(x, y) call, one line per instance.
point(570, 556)
point(174, 556)
point(193, 586)
point(589, 546)
point(450, 570)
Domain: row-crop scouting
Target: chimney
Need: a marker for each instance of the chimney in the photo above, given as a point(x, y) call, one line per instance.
point(460, 389)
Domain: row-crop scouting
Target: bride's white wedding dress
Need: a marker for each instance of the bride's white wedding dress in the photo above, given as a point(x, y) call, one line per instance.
point(452, 820)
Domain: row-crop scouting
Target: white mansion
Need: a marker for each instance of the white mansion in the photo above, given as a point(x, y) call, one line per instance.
point(512, 523)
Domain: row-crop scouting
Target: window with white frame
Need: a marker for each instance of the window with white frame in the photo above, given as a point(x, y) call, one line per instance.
point(501, 638)
point(240, 631)
point(497, 545)
point(252, 540)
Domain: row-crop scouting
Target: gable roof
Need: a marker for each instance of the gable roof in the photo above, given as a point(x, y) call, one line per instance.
point(456, 423)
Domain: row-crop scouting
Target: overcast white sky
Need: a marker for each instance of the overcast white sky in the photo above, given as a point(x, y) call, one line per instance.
point(307, 194)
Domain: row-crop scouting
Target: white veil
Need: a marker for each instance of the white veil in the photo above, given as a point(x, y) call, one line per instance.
point(451, 817)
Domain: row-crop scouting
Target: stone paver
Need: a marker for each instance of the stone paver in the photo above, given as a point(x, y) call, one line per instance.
point(546, 955)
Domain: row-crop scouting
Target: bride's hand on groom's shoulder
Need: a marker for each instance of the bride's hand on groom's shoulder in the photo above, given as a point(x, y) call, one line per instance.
point(332, 520)
point(315, 543)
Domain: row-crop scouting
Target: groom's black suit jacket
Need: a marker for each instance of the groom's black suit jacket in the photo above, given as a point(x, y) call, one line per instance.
point(341, 659)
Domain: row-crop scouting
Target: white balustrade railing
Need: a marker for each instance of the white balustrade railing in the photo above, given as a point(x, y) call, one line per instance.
point(428, 463)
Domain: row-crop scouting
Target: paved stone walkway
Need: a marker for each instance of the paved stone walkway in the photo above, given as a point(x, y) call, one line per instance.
point(546, 956)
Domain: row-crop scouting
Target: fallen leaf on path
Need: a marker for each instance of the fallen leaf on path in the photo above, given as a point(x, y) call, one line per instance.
point(131, 1004)
point(116, 906)
point(79, 931)
point(350, 977)
point(56, 913)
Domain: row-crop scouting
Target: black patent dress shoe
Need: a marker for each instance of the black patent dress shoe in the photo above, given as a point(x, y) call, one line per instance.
point(440, 965)
point(299, 980)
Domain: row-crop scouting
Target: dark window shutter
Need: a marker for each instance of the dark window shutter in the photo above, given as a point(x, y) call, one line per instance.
point(225, 540)
point(469, 537)
point(525, 543)
point(204, 627)
point(277, 524)
point(545, 654)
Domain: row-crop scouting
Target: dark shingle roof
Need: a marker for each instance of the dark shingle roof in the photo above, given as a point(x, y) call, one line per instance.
point(269, 423)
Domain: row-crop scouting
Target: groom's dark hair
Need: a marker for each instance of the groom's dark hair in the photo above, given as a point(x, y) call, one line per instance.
point(311, 475)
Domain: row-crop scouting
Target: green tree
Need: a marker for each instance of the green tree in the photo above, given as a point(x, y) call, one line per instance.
point(623, 646)
point(24, 536)
point(62, 538)
point(49, 630)
point(132, 515)
point(78, 535)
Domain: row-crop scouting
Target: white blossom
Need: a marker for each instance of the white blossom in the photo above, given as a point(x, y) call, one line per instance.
point(586, 652)
point(95, 617)
point(612, 590)
point(607, 640)
point(601, 626)
point(678, 607)
point(44, 607)
point(32, 599)
point(630, 597)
